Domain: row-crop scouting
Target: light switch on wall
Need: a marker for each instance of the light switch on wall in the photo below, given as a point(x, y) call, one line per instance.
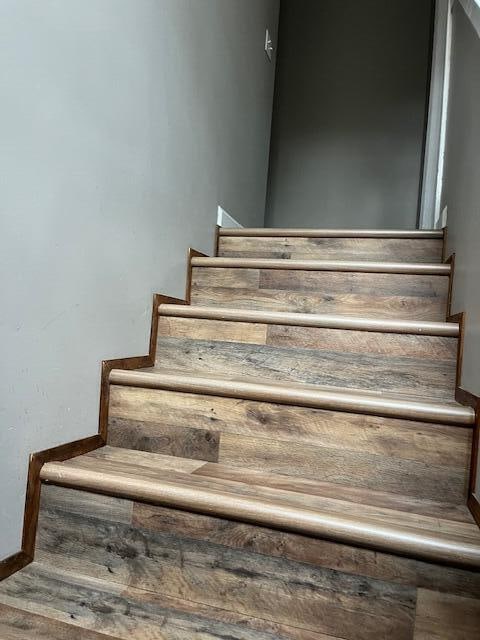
point(268, 44)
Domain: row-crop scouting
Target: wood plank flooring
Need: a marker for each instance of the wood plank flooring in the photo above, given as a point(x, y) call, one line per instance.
point(428, 377)
point(369, 249)
point(396, 296)
point(83, 605)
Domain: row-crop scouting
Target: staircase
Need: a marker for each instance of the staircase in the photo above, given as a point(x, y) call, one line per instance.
point(293, 465)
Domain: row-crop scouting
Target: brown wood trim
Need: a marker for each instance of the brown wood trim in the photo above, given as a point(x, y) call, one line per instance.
point(158, 299)
point(13, 563)
point(32, 498)
point(469, 399)
point(474, 506)
point(451, 261)
point(444, 247)
point(135, 362)
point(216, 241)
point(459, 319)
point(475, 454)
point(466, 398)
point(192, 253)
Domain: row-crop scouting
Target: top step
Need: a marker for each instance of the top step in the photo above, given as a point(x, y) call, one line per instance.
point(332, 233)
point(332, 244)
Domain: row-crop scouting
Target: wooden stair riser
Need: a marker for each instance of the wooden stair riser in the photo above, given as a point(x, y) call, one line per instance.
point(378, 295)
point(420, 365)
point(367, 452)
point(83, 605)
point(368, 249)
point(313, 585)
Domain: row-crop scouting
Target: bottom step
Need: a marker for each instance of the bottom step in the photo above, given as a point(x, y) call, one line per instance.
point(129, 569)
point(301, 505)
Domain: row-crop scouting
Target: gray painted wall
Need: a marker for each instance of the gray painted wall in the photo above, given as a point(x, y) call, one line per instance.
point(462, 188)
point(123, 124)
point(349, 113)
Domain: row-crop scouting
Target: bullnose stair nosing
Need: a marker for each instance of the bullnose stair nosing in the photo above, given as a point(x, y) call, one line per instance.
point(299, 395)
point(440, 269)
point(268, 512)
point(332, 233)
point(330, 321)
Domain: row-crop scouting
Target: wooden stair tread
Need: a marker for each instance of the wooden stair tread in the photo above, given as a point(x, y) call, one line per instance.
point(198, 486)
point(374, 402)
point(386, 325)
point(337, 496)
point(331, 233)
point(421, 268)
point(17, 623)
point(67, 606)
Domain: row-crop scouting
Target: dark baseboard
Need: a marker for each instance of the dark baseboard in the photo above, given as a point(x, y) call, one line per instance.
point(13, 563)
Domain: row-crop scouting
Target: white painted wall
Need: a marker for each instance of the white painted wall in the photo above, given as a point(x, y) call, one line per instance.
point(123, 124)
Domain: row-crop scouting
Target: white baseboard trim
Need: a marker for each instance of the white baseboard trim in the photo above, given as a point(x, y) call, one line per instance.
point(224, 219)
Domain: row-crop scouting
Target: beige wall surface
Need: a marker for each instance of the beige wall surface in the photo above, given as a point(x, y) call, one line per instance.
point(461, 192)
point(123, 124)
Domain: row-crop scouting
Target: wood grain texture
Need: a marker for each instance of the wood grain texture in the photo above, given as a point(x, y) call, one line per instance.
point(355, 294)
point(390, 437)
point(84, 606)
point(421, 377)
point(374, 249)
point(398, 476)
point(244, 569)
point(254, 333)
point(442, 616)
point(276, 589)
point(176, 482)
point(326, 338)
point(451, 328)
point(331, 555)
point(157, 437)
point(21, 624)
point(409, 458)
point(395, 405)
point(240, 481)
